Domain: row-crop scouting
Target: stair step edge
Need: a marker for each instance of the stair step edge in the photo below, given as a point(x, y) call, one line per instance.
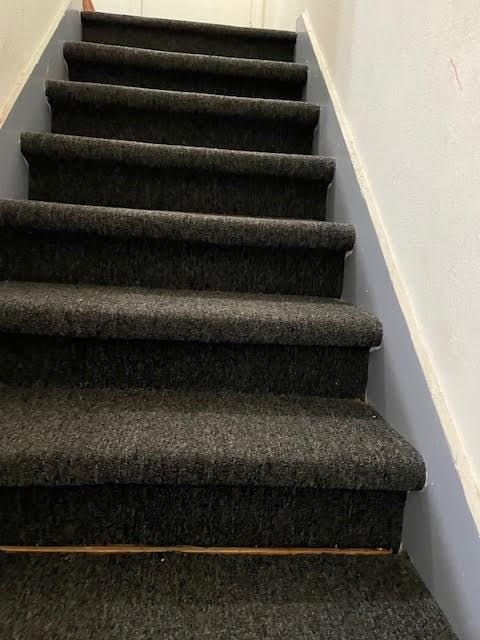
point(97, 436)
point(215, 229)
point(60, 146)
point(286, 72)
point(107, 95)
point(199, 316)
point(186, 25)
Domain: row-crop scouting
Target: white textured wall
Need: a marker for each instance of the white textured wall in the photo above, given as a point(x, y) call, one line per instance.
point(26, 26)
point(407, 75)
point(240, 13)
point(130, 7)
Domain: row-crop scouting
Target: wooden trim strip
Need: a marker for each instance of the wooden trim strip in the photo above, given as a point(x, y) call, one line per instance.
point(226, 551)
point(87, 5)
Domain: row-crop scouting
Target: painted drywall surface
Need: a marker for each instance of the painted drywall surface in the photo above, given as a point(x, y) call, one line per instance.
point(440, 533)
point(243, 13)
point(130, 7)
point(408, 78)
point(30, 110)
point(25, 28)
point(235, 13)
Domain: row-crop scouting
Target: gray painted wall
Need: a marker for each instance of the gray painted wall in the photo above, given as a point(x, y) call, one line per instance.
point(31, 111)
point(439, 533)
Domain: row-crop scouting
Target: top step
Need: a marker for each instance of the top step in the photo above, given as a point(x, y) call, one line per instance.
point(188, 37)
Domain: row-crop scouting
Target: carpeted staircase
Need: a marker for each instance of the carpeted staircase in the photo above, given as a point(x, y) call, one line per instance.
point(178, 367)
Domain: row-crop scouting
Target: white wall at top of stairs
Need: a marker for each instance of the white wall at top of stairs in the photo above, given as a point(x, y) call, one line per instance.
point(243, 13)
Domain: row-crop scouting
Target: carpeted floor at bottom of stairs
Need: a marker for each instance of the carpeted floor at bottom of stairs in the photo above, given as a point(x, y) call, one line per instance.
point(180, 597)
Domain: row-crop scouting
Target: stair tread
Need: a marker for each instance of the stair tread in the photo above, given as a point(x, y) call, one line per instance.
point(178, 226)
point(58, 146)
point(180, 596)
point(103, 95)
point(63, 437)
point(186, 25)
point(135, 313)
point(287, 72)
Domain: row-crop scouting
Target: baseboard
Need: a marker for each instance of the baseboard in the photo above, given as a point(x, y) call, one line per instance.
point(30, 111)
point(440, 532)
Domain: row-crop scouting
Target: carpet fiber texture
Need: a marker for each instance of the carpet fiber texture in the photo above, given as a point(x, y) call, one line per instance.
point(88, 62)
point(193, 316)
point(111, 336)
point(170, 117)
point(339, 372)
point(94, 436)
point(357, 465)
point(194, 37)
point(231, 598)
point(178, 367)
point(152, 279)
point(118, 173)
point(31, 215)
point(203, 515)
point(50, 242)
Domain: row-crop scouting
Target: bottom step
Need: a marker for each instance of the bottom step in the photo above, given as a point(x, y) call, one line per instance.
point(85, 597)
point(109, 466)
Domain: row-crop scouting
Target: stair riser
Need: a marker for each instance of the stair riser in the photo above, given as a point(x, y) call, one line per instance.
point(175, 189)
point(164, 127)
point(188, 42)
point(179, 80)
point(203, 516)
point(325, 371)
point(83, 258)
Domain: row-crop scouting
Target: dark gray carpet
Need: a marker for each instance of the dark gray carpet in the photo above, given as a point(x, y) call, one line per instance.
point(184, 597)
point(208, 515)
point(155, 156)
point(110, 336)
point(339, 372)
point(173, 254)
point(286, 112)
point(50, 242)
point(162, 384)
point(117, 173)
point(101, 436)
point(192, 119)
point(179, 226)
point(88, 62)
point(145, 260)
point(150, 314)
point(177, 367)
point(193, 37)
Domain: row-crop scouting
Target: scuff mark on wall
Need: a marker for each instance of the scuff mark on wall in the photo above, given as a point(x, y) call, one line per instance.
point(455, 71)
